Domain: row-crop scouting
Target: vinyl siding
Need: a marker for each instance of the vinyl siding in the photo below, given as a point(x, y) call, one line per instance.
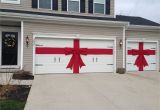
point(27, 6)
point(29, 28)
point(146, 35)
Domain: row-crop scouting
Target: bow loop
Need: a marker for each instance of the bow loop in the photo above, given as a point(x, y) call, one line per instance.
point(76, 59)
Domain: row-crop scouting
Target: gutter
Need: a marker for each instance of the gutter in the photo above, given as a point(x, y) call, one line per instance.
point(143, 27)
point(61, 20)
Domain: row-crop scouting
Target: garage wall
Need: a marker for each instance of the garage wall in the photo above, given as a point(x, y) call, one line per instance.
point(29, 28)
point(148, 35)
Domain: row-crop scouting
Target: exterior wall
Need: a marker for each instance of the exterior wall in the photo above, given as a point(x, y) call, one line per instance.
point(27, 6)
point(29, 28)
point(10, 29)
point(146, 35)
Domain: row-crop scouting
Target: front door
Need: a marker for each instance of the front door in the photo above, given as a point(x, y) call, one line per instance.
point(9, 48)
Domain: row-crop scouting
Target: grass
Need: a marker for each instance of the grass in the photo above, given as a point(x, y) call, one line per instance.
point(11, 105)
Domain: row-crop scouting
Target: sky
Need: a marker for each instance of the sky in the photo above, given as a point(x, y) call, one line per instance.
point(149, 9)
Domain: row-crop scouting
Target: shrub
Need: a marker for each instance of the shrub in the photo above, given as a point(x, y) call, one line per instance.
point(23, 75)
point(121, 70)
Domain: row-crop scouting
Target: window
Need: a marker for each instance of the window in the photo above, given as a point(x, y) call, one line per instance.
point(99, 6)
point(74, 5)
point(11, 1)
point(47, 4)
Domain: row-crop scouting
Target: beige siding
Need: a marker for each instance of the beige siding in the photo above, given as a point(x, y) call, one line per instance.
point(29, 28)
point(27, 6)
point(148, 35)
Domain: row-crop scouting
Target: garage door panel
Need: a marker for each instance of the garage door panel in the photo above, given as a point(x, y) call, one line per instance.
point(130, 63)
point(56, 63)
point(48, 42)
point(150, 45)
point(97, 44)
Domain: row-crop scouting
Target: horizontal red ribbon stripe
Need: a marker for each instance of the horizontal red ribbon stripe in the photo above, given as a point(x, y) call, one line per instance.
point(48, 50)
point(146, 52)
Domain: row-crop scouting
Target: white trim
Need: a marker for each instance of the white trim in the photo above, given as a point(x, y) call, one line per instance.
point(22, 45)
point(75, 11)
point(0, 46)
point(71, 36)
point(115, 55)
point(142, 27)
point(144, 40)
point(124, 47)
point(61, 36)
point(10, 1)
point(33, 53)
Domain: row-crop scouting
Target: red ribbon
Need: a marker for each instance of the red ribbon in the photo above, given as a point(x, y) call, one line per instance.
point(141, 61)
point(76, 61)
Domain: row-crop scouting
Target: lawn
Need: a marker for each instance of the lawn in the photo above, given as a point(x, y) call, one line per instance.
point(11, 104)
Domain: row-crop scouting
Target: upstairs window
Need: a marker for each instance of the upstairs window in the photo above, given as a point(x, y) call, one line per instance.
point(11, 1)
point(99, 6)
point(47, 4)
point(74, 5)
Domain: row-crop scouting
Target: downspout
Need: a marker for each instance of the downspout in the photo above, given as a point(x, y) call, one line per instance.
point(22, 37)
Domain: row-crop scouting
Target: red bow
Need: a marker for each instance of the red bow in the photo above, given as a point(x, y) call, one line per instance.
point(76, 60)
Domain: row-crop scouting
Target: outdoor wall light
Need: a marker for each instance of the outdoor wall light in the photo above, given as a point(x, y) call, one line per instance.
point(27, 41)
point(120, 43)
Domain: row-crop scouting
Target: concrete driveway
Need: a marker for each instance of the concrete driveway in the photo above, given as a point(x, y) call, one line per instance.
point(103, 91)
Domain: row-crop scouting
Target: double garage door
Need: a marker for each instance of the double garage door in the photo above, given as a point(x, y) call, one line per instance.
point(142, 56)
point(53, 55)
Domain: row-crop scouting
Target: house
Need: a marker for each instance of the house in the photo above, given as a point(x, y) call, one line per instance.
point(75, 36)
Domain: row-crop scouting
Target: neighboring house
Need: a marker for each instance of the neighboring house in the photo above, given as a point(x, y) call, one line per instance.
point(55, 36)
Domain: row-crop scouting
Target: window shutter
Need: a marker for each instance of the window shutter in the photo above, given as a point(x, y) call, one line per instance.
point(55, 4)
point(90, 6)
point(64, 5)
point(107, 7)
point(34, 3)
point(82, 6)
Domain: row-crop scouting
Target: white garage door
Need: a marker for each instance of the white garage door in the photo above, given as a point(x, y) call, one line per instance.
point(141, 56)
point(73, 55)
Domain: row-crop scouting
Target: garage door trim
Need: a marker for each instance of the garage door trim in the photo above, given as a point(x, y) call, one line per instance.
point(142, 40)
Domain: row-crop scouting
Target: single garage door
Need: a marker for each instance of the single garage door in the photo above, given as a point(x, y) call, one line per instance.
point(141, 56)
point(73, 55)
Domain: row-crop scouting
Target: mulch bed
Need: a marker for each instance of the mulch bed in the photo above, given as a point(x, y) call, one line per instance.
point(15, 92)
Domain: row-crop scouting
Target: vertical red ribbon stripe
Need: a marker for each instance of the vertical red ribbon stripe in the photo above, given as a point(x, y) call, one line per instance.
point(76, 61)
point(140, 60)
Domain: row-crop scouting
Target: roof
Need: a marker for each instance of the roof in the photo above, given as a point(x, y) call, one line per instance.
point(132, 19)
point(136, 20)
